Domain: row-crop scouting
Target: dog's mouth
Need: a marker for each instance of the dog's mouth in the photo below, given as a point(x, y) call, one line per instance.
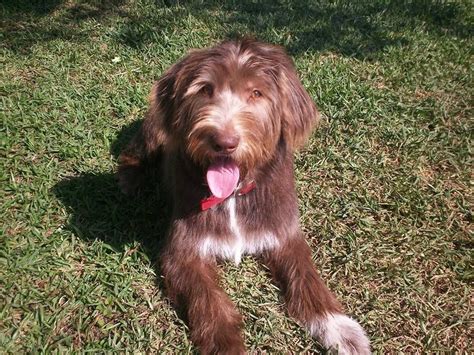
point(222, 177)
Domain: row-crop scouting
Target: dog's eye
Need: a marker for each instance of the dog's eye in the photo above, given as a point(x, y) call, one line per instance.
point(207, 90)
point(256, 94)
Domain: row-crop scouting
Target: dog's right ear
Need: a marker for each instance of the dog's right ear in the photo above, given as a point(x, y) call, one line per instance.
point(161, 121)
point(156, 128)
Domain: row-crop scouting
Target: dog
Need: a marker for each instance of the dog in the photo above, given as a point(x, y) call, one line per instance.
point(221, 131)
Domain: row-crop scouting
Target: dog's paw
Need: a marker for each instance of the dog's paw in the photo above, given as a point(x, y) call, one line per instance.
point(341, 333)
point(223, 343)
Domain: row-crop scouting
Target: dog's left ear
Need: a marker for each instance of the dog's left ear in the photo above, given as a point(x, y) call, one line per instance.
point(299, 114)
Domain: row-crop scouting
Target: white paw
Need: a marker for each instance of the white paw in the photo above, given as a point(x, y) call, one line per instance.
point(341, 333)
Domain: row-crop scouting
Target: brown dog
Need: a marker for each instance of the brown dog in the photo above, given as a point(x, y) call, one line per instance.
point(222, 128)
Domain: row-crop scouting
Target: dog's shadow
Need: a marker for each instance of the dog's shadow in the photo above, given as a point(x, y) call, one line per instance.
point(100, 211)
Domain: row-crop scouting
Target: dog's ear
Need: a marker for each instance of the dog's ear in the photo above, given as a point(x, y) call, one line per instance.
point(157, 125)
point(299, 113)
point(166, 96)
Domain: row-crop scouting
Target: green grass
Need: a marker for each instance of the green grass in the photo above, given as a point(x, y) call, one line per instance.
point(385, 184)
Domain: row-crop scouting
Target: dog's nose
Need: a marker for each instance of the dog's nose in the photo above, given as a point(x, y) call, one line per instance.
point(225, 143)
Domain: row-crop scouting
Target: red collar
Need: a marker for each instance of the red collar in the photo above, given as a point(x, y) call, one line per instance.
point(213, 201)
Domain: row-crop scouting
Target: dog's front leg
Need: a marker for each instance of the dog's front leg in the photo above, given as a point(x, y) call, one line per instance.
point(192, 285)
point(310, 301)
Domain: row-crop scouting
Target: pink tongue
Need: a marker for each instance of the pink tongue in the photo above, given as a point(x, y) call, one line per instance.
point(222, 178)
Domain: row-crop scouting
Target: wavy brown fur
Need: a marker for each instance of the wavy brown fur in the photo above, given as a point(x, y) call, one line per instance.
point(245, 92)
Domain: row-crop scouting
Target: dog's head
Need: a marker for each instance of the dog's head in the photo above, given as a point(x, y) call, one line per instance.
point(232, 104)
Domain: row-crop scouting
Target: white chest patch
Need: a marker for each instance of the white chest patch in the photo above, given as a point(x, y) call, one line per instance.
point(236, 244)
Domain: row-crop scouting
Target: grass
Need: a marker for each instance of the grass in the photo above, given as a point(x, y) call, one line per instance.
point(385, 184)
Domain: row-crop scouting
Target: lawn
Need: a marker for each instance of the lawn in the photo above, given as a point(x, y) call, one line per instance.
point(385, 184)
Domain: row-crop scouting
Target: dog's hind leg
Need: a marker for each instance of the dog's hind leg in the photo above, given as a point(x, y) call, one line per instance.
point(310, 301)
point(139, 162)
point(141, 156)
point(138, 165)
point(215, 324)
point(132, 167)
